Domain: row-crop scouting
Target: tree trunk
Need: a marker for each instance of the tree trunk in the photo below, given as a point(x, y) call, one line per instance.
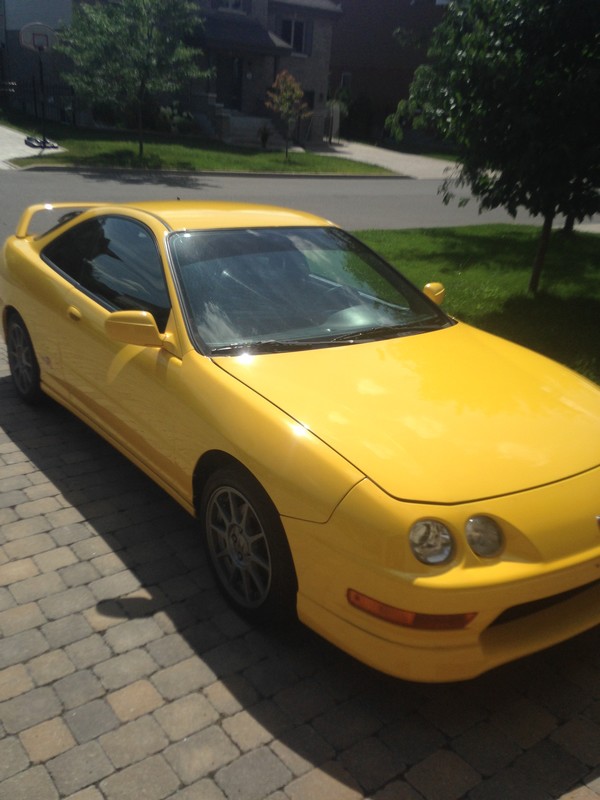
point(140, 132)
point(538, 263)
point(569, 224)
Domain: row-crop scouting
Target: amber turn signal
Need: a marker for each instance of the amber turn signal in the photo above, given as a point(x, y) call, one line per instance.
point(409, 619)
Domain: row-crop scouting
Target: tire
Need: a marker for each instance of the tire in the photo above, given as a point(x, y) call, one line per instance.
point(24, 367)
point(247, 547)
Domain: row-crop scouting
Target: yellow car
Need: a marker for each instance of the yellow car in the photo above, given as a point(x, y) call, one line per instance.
point(422, 494)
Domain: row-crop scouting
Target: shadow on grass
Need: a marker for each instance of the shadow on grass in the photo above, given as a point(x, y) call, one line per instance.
point(565, 329)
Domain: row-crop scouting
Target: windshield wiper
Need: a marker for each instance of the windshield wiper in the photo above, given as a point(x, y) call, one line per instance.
point(266, 346)
point(387, 331)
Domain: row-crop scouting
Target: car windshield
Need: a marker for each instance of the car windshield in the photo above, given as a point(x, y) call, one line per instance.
point(274, 289)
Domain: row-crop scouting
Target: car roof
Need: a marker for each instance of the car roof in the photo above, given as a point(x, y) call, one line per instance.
point(177, 215)
point(193, 215)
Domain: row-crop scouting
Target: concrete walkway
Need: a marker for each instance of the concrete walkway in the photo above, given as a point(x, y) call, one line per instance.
point(411, 166)
point(12, 145)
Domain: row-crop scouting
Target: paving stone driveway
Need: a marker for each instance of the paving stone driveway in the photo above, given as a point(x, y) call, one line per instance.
point(124, 676)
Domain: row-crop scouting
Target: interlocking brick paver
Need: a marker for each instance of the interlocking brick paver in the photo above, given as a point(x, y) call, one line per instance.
point(581, 738)
point(30, 546)
point(486, 748)
point(16, 571)
point(553, 767)
point(443, 776)
point(88, 652)
point(64, 631)
point(37, 587)
point(151, 779)
point(90, 720)
point(305, 700)
point(135, 700)
point(22, 528)
point(50, 667)
point(13, 758)
point(79, 688)
point(372, 763)
point(168, 650)
point(525, 722)
point(79, 767)
point(331, 781)
point(253, 776)
point(185, 716)
point(47, 740)
point(20, 618)
point(301, 748)
point(78, 574)
point(122, 670)
point(125, 675)
point(182, 678)
point(14, 681)
point(68, 602)
point(132, 634)
point(53, 560)
point(205, 790)
point(117, 585)
point(91, 793)
point(201, 754)
point(34, 783)
point(134, 741)
point(231, 696)
point(28, 709)
point(68, 534)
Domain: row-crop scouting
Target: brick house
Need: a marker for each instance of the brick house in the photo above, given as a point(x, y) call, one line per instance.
point(246, 42)
point(368, 62)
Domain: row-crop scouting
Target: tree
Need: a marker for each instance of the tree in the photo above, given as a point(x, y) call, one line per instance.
point(514, 84)
point(286, 100)
point(125, 51)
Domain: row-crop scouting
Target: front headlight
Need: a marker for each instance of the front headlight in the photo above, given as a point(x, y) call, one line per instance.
point(431, 542)
point(484, 536)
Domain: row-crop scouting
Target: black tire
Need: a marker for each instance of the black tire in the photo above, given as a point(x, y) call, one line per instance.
point(24, 367)
point(247, 546)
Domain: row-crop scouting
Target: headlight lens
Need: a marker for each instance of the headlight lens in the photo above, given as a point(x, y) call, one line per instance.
point(431, 541)
point(484, 536)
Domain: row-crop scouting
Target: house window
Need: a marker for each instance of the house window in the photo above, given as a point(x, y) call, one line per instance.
point(296, 33)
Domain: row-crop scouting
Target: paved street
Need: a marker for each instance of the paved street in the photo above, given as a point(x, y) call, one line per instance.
point(124, 676)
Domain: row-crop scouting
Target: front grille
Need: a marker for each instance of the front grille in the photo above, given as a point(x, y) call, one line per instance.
point(527, 609)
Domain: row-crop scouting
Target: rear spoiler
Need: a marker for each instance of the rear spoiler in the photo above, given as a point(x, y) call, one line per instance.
point(30, 212)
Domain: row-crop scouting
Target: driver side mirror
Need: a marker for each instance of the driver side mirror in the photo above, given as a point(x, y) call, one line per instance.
point(134, 327)
point(435, 291)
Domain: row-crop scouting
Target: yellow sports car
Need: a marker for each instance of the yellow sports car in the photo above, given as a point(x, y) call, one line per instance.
point(422, 494)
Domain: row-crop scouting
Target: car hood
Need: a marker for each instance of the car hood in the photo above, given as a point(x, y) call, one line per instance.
point(446, 416)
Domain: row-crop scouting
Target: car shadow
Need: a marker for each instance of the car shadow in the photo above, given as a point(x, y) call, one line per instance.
point(313, 705)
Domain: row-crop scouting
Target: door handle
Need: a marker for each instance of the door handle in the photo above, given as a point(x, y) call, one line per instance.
point(74, 313)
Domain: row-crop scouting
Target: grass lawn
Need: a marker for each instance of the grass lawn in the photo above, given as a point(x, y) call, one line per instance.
point(485, 270)
point(84, 148)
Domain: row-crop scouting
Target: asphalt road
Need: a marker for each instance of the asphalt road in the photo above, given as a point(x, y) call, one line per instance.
point(354, 203)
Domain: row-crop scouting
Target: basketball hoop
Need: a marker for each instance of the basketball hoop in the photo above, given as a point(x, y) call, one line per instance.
point(37, 37)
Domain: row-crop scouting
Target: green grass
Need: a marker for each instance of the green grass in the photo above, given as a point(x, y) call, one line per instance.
point(485, 270)
point(117, 149)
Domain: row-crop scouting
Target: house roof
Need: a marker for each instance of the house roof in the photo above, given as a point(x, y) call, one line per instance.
point(242, 33)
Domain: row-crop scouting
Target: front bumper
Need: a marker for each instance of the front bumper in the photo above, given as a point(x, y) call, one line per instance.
point(543, 589)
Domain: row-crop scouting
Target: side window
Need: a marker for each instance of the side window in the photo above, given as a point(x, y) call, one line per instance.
point(116, 260)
